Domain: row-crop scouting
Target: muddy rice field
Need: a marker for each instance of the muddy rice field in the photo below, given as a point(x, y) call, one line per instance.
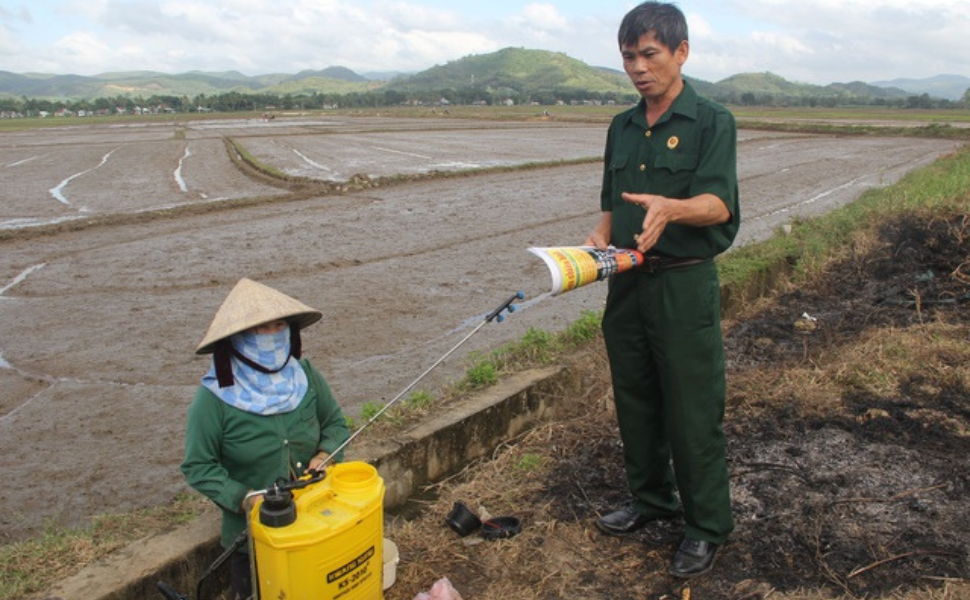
point(118, 243)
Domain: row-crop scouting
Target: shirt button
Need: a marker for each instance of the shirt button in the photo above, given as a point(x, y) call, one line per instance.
point(643, 167)
point(649, 133)
point(286, 442)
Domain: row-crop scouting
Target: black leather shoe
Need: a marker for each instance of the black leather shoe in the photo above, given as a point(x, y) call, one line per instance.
point(625, 520)
point(693, 557)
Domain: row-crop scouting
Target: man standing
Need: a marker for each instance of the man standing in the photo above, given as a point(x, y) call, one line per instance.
point(670, 190)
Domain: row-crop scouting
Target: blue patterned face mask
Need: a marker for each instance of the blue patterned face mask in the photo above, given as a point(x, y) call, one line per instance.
point(264, 393)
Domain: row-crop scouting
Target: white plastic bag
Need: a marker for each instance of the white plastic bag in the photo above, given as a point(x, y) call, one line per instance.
point(441, 590)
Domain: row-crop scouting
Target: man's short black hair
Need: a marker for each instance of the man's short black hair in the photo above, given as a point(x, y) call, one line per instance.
point(664, 20)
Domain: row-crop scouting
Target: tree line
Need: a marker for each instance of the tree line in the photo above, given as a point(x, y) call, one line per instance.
point(237, 101)
point(920, 101)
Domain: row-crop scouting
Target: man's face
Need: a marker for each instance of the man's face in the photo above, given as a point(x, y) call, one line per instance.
point(652, 67)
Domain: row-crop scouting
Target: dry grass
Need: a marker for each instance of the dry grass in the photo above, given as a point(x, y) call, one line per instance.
point(549, 559)
point(875, 364)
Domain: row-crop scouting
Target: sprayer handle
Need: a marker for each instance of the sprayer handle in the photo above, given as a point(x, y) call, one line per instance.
point(309, 478)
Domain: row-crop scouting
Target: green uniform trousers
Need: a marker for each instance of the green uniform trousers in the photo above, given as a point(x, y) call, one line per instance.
point(663, 339)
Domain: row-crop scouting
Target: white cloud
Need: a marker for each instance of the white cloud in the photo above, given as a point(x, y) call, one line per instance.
point(784, 46)
point(82, 48)
point(407, 16)
point(827, 40)
point(536, 25)
point(816, 41)
point(698, 26)
point(11, 20)
point(542, 17)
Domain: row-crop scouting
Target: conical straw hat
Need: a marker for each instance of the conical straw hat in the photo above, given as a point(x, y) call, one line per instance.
point(250, 304)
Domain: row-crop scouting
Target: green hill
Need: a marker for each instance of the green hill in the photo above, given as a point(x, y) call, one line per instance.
point(768, 88)
point(516, 70)
point(951, 87)
point(859, 89)
point(320, 85)
point(764, 83)
point(134, 84)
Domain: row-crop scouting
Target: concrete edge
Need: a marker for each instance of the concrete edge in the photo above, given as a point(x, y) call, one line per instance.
point(430, 451)
point(180, 556)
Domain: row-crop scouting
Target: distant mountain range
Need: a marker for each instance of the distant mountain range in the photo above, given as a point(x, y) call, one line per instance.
point(950, 87)
point(516, 70)
point(337, 80)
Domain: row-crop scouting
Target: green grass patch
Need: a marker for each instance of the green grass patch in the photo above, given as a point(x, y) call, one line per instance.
point(483, 373)
point(419, 400)
point(854, 114)
point(536, 348)
point(583, 330)
point(530, 462)
point(31, 566)
point(369, 409)
point(239, 151)
point(933, 130)
point(750, 270)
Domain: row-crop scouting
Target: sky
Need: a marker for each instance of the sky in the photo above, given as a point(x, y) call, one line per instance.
point(808, 41)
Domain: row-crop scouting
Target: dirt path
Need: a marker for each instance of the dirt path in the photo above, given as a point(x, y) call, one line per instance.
point(98, 326)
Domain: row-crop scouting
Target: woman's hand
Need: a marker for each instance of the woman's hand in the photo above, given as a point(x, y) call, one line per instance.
point(318, 460)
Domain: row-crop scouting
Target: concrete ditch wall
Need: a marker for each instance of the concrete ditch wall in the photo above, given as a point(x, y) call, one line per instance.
point(436, 448)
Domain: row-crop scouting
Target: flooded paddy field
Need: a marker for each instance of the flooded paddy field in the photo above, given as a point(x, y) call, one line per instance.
point(98, 324)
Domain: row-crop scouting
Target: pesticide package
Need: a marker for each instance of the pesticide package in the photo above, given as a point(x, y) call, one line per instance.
point(572, 267)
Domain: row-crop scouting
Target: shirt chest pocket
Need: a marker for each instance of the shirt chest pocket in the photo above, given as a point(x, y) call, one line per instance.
point(672, 173)
point(676, 161)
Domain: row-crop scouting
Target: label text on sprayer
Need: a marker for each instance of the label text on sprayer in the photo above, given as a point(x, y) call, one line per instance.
point(344, 570)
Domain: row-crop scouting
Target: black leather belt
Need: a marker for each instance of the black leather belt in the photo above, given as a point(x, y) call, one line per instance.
point(655, 264)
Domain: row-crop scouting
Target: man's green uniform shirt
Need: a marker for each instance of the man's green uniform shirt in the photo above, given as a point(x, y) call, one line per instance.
point(690, 150)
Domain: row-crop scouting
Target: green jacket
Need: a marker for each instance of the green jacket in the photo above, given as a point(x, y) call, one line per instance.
point(690, 150)
point(229, 452)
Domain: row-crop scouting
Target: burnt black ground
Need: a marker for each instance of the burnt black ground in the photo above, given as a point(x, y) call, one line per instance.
point(867, 497)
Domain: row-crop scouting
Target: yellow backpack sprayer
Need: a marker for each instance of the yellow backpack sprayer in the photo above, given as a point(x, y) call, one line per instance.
point(320, 537)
